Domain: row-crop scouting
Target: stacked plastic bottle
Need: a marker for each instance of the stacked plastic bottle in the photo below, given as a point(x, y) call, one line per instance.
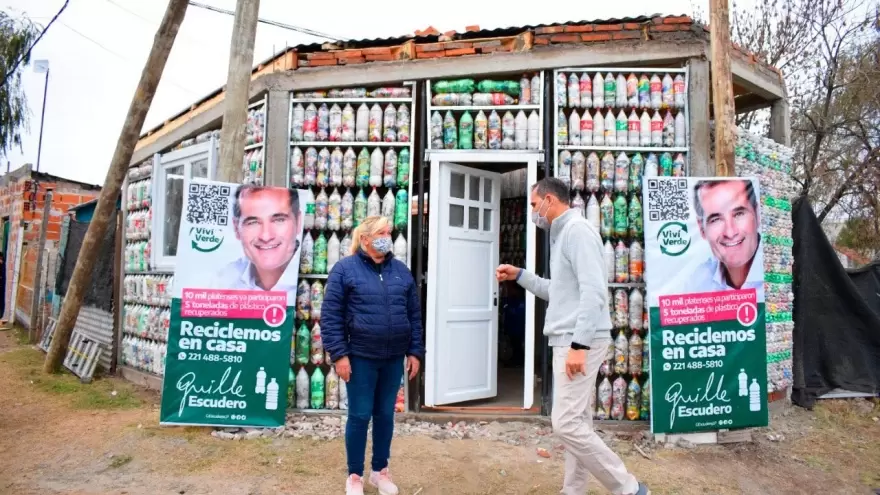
point(146, 312)
point(513, 231)
point(352, 148)
point(486, 115)
point(252, 165)
point(771, 163)
point(145, 355)
point(623, 386)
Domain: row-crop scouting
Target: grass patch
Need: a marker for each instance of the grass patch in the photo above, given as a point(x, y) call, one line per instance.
point(117, 461)
point(101, 394)
point(20, 334)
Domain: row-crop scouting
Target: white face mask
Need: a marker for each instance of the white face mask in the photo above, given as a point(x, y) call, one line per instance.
point(540, 220)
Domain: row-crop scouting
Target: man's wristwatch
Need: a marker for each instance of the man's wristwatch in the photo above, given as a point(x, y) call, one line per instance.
point(579, 347)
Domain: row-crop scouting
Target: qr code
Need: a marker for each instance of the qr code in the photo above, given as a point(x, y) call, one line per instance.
point(208, 204)
point(668, 200)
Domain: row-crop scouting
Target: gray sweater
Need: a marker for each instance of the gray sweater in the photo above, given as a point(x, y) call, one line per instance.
point(578, 292)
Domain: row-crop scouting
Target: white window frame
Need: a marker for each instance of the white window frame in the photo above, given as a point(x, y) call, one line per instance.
point(161, 163)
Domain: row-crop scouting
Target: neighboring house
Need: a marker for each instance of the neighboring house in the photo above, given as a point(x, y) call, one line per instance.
point(33, 206)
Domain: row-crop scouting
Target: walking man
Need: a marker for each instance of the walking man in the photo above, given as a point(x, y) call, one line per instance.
point(579, 328)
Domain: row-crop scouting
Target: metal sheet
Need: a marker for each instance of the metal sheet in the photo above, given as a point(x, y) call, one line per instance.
point(97, 324)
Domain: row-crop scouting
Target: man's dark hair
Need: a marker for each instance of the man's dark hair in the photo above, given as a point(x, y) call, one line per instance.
point(709, 184)
point(554, 187)
point(250, 188)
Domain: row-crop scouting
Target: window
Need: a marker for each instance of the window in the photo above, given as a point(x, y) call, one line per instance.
point(170, 172)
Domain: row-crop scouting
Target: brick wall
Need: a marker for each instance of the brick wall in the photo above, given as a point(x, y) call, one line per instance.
point(25, 208)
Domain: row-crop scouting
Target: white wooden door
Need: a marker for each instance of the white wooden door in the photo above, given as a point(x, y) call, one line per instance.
point(464, 330)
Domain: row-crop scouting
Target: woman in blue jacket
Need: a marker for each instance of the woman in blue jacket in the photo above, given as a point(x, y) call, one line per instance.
point(370, 322)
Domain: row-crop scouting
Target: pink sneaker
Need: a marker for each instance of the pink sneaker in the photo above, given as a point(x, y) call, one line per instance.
point(382, 481)
point(354, 485)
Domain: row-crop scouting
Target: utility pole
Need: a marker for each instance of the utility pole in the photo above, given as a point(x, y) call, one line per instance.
point(106, 207)
point(241, 60)
point(722, 87)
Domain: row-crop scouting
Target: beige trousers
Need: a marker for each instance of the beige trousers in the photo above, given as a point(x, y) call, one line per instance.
point(585, 452)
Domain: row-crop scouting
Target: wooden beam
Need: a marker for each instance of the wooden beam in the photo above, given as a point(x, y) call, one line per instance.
point(698, 108)
point(722, 88)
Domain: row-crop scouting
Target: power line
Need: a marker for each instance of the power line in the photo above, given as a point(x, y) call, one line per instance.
point(310, 32)
point(28, 52)
point(122, 57)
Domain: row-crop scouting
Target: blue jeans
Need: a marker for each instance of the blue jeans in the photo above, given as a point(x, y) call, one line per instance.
point(372, 393)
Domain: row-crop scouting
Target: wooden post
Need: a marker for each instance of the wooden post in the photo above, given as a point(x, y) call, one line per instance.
point(722, 87)
point(241, 59)
point(698, 106)
point(34, 330)
point(106, 207)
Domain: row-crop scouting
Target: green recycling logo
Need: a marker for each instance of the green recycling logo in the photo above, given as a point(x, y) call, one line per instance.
point(674, 239)
point(204, 240)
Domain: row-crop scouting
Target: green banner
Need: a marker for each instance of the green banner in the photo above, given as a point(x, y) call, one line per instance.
point(705, 281)
point(232, 313)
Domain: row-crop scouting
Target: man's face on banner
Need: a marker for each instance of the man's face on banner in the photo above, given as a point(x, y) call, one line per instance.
point(730, 222)
point(267, 228)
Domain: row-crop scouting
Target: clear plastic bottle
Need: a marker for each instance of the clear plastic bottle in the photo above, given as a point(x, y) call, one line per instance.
point(574, 129)
point(656, 130)
point(585, 86)
point(322, 175)
point(508, 131)
point(610, 128)
point(593, 216)
point(436, 131)
point(403, 123)
point(668, 130)
point(656, 92)
point(375, 126)
point(667, 96)
point(335, 123)
point(302, 389)
point(561, 89)
point(632, 91)
point(377, 165)
point(389, 124)
point(564, 167)
point(598, 129)
point(362, 124)
point(578, 170)
point(610, 90)
point(621, 87)
point(349, 124)
point(562, 129)
point(598, 91)
point(349, 168)
point(335, 172)
point(586, 129)
point(679, 91)
point(608, 255)
point(389, 178)
point(574, 91)
point(533, 131)
point(593, 172)
point(334, 211)
point(450, 131)
point(297, 168)
point(481, 131)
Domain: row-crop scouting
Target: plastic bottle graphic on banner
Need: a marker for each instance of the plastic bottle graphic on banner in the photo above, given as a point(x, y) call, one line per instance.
point(233, 302)
point(705, 298)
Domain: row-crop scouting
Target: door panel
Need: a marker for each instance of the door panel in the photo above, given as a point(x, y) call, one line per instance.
point(465, 328)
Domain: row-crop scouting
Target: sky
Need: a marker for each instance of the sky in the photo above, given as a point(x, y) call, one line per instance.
point(97, 48)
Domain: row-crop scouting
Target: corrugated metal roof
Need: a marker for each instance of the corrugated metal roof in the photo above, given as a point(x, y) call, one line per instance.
point(464, 35)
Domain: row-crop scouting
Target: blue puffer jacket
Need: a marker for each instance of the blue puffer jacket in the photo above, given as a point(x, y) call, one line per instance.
point(371, 310)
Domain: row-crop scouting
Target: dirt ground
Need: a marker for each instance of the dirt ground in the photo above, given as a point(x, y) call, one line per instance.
point(60, 437)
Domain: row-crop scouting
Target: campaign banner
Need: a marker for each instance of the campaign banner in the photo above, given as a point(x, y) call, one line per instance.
point(232, 308)
point(705, 287)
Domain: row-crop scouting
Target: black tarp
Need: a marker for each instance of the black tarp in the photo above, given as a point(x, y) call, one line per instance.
point(99, 293)
point(836, 317)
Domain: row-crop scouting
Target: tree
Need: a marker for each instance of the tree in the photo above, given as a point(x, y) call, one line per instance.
point(828, 53)
point(16, 38)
